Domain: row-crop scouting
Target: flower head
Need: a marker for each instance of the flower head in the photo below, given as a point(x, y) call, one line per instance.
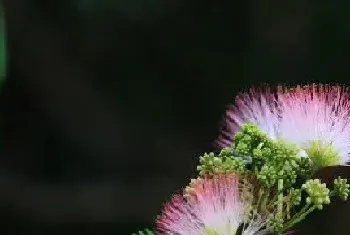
point(258, 106)
point(315, 117)
point(215, 207)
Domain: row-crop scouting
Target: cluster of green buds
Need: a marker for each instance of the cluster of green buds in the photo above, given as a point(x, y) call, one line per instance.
point(225, 162)
point(341, 188)
point(318, 193)
point(295, 197)
point(306, 167)
point(271, 160)
point(275, 222)
point(285, 191)
point(278, 166)
point(267, 176)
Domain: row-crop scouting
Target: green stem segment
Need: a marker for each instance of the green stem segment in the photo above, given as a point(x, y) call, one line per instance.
point(280, 198)
point(280, 201)
point(299, 216)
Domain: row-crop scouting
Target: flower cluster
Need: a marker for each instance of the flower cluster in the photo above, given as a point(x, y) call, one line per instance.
point(315, 117)
point(261, 180)
point(277, 168)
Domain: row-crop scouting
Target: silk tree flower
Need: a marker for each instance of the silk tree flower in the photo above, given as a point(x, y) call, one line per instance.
point(315, 117)
point(215, 207)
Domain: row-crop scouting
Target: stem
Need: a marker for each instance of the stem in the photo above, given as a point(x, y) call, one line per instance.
point(280, 198)
point(272, 201)
point(256, 204)
point(280, 201)
point(264, 201)
point(260, 193)
point(299, 216)
point(288, 210)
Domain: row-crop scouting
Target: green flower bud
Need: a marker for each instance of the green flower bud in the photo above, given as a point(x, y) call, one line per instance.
point(305, 167)
point(226, 152)
point(341, 188)
point(275, 222)
point(318, 193)
point(267, 175)
point(295, 196)
point(223, 163)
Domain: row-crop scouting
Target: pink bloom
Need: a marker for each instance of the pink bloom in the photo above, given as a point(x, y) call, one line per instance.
point(214, 208)
point(258, 106)
point(299, 115)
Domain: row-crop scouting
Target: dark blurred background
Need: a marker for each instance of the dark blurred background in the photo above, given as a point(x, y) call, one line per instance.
point(108, 104)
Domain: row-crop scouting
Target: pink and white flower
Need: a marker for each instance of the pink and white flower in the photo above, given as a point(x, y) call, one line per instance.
point(300, 115)
point(215, 208)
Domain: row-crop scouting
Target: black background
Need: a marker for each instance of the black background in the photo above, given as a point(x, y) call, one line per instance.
point(107, 105)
